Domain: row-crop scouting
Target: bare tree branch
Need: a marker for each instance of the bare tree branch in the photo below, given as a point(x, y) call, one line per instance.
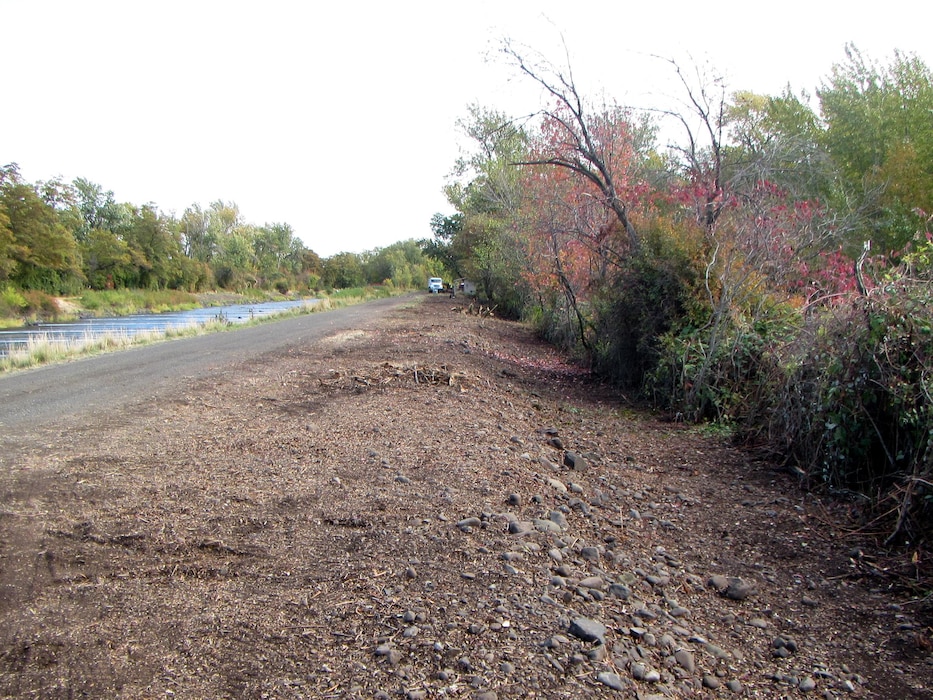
point(590, 163)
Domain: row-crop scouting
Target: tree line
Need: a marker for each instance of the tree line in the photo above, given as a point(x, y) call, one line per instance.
point(60, 238)
point(768, 268)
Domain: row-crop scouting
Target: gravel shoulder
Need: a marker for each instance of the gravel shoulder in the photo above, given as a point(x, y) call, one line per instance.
point(431, 505)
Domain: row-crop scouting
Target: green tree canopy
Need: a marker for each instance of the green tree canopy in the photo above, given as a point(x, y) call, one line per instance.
point(879, 133)
point(342, 271)
point(43, 253)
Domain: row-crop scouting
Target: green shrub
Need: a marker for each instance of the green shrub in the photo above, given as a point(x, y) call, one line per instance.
point(12, 302)
point(706, 380)
point(850, 402)
point(646, 301)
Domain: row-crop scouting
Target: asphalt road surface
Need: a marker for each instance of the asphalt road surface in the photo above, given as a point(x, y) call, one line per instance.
point(35, 398)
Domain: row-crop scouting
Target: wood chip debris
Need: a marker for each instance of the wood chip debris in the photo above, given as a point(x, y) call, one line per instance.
point(389, 373)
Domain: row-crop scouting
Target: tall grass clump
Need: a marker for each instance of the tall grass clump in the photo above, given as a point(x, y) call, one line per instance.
point(122, 302)
point(45, 349)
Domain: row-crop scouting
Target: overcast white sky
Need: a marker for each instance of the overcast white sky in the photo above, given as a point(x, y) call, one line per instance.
point(339, 118)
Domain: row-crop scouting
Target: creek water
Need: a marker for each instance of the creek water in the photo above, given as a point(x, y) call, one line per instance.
point(89, 329)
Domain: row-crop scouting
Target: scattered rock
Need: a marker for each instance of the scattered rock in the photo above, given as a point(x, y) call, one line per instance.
point(468, 524)
point(596, 582)
point(611, 679)
point(388, 652)
point(659, 581)
point(521, 527)
point(542, 525)
point(555, 641)
point(685, 660)
point(739, 589)
point(639, 671)
point(574, 461)
point(717, 652)
point(588, 630)
point(645, 614)
point(731, 588)
point(718, 583)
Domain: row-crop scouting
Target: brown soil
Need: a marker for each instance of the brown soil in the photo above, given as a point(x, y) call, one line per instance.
point(301, 532)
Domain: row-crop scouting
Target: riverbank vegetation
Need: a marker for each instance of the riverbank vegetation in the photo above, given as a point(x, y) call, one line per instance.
point(770, 270)
point(67, 246)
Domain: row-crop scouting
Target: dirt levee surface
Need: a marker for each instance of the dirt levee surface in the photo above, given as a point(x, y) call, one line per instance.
point(433, 506)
